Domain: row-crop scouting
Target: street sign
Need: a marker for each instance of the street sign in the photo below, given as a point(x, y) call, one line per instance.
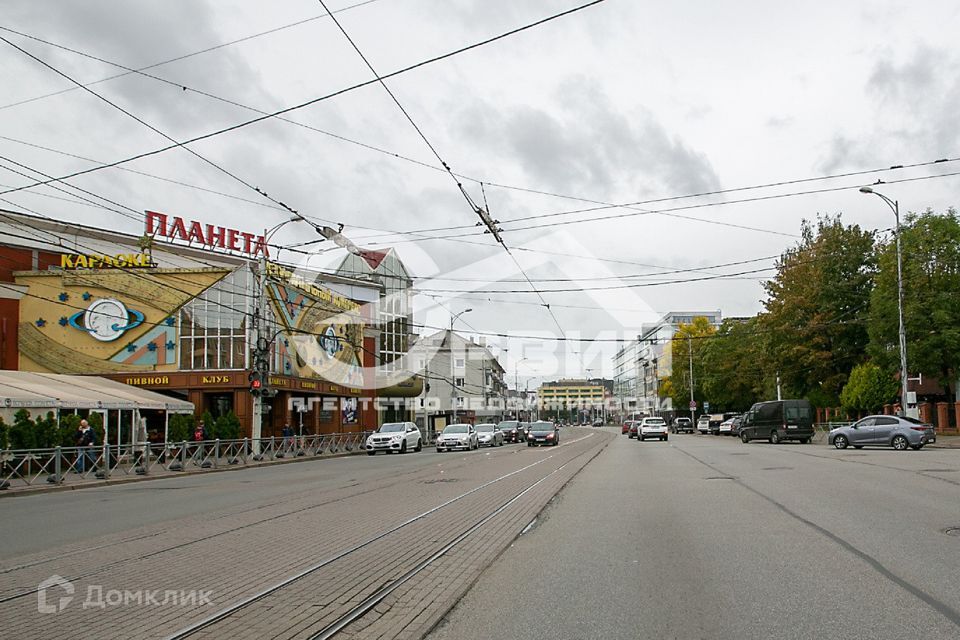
point(706, 407)
point(693, 406)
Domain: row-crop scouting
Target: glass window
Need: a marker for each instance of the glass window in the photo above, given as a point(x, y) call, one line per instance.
point(213, 326)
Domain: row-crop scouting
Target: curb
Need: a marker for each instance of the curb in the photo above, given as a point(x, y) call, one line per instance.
point(100, 484)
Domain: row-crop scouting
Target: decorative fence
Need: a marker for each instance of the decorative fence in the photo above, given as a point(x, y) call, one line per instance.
point(72, 465)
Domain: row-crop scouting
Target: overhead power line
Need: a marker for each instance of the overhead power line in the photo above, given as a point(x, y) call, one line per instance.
point(169, 60)
point(157, 131)
point(328, 96)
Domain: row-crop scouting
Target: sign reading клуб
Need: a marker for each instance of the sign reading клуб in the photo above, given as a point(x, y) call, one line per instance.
point(175, 228)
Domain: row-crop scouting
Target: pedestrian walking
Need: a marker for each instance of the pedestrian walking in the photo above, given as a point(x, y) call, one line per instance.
point(287, 433)
point(86, 440)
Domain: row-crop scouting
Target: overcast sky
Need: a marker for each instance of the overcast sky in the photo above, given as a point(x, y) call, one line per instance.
point(623, 102)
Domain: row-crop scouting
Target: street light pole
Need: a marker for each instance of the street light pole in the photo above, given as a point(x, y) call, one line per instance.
point(895, 207)
point(259, 321)
point(693, 407)
point(516, 382)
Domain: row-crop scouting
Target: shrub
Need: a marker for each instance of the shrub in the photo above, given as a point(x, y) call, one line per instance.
point(227, 427)
point(180, 427)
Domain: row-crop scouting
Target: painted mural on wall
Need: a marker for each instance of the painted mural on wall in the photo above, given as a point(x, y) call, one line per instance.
point(324, 336)
point(104, 320)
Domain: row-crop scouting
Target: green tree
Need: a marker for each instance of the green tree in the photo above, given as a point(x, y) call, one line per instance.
point(689, 339)
point(868, 389)
point(4, 430)
point(931, 275)
point(69, 424)
point(23, 433)
point(180, 427)
point(734, 372)
point(95, 420)
point(227, 427)
point(814, 322)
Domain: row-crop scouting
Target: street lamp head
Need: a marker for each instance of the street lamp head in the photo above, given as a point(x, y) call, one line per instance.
point(467, 310)
point(866, 189)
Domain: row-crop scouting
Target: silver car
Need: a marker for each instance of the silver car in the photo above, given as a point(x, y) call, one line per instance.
point(489, 435)
point(885, 431)
point(457, 436)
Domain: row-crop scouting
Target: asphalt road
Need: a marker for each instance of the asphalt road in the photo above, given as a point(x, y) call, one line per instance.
point(32, 523)
point(705, 537)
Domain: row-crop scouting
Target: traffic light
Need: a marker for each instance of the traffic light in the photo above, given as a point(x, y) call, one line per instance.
point(256, 383)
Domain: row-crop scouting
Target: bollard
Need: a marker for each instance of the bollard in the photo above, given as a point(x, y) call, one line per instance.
point(216, 452)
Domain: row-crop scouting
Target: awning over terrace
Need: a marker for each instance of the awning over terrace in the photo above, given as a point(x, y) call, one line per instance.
point(56, 391)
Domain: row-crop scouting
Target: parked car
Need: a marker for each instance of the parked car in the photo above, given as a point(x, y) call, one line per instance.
point(777, 421)
point(394, 436)
point(489, 435)
point(543, 432)
point(653, 427)
point(715, 420)
point(726, 427)
point(511, 430)
point(457, 436)
point(703, 424)
point(683, 425)
point(634, 426)
point(598, 422)
point(625, 427)
point(735, 425)
point(898, 432)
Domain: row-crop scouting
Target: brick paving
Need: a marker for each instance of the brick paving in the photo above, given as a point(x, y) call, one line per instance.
point(244, 550)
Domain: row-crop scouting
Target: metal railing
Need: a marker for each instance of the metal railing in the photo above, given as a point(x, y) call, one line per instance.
point(75, 465)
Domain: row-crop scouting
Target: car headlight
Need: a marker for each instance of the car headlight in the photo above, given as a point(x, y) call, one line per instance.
point(397, 437)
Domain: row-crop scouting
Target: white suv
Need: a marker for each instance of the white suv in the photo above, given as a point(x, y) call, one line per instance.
point(395, 436)
point(652, 428)
point(703, 424)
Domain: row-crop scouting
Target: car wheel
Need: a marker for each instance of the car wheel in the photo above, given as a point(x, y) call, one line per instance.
point(371, 453)
point(841, 442)
point(804, 440)
point(744, 438)
point(774, 437)
point(900, 443)
point(403, 447)
point(664, 438)
point(419, 446)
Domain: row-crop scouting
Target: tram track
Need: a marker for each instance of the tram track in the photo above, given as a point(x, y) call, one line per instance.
point(385, 480)
point(384, 589)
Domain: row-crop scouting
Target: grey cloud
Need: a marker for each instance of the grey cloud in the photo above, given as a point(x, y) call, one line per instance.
point(137, 34)
point(589, 145)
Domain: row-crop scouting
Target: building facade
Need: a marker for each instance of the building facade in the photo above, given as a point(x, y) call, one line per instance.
point(393, 315)
point(180, 319)
point(641, 364)
point(573, 400)
point(464, 381)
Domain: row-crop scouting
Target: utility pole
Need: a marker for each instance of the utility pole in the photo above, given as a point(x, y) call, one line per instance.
point(690, 354)
point(779, 391)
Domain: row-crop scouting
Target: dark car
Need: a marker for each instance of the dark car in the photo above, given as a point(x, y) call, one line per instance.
point(883, 431)
point(683, 425)
point(735, 425)
point(715, 422)
point(777, 421)
point(512, 432)
point(634, 425)
point(542, 432)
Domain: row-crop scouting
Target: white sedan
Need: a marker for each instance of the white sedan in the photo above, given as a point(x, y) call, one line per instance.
point(458, 436)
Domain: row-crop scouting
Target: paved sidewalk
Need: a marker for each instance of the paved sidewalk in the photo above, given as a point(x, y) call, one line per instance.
point(946, 442)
